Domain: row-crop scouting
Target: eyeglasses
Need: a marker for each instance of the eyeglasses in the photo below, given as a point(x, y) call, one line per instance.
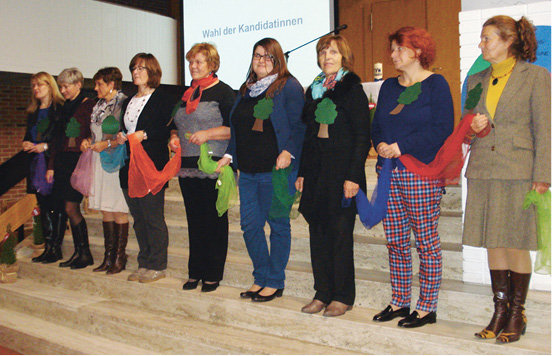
point(139, 68)
point(266, 57)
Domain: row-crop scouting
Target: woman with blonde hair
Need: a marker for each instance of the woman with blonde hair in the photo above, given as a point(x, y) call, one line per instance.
point(203, 112)
point(43, 113)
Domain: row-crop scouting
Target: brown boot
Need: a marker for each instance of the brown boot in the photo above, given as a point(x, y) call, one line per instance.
point(517, 321)
point(109, 243)
point(120, 258)
point(500, 282)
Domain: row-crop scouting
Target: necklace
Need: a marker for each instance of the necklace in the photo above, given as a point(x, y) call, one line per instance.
point(496, 78)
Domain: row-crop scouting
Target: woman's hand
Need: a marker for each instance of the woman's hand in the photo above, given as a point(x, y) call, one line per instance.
point(174, 142)
point(85, 144)
point(98, 146)
point(27, 146)
point(38, 148)
point(541, 188)
point(479, 122)
point(388, 151)
point(224, 161)
point(350, 189)
point(284, 160)
point(199, 137)
point(121, 138)
point(299, 184)
point(50, 175)
point(140, 135)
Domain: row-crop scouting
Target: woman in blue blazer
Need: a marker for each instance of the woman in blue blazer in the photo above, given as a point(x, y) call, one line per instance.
point(266, 136)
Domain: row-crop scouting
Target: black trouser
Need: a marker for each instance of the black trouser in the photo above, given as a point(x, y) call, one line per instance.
point(331, 245)
point(150, 228)
point(208, 233)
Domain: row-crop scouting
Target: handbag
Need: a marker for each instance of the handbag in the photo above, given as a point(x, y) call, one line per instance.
point(81, 179)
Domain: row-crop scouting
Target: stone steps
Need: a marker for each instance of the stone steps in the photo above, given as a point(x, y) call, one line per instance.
point(457, 301)
point(161, 317)
point(158, 330)
point(32, 335)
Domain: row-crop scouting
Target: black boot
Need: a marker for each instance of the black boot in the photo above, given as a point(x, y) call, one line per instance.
point(84, 257)
point(60, 225)
point(120, 257)
point(46, 217)
point(110, 240)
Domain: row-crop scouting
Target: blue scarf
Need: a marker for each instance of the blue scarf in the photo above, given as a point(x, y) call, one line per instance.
point(318, 88)
point(257, 88)
point(373, 211)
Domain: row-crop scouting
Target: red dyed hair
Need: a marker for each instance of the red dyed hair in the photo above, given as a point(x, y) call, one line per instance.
point(415, 38)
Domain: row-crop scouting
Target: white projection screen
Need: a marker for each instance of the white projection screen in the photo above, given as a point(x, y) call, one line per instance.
point(234, 26)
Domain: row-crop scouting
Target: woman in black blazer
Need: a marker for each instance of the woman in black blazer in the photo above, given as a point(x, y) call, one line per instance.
point(147, 115)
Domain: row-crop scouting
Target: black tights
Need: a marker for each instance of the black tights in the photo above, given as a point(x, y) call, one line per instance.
point(72, 209)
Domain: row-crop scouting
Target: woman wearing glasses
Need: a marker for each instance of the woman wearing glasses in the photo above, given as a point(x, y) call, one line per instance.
point(266, 136)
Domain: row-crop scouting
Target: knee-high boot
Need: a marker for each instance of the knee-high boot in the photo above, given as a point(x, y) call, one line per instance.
point(58, 233)
point(84, 257)
point(46, 218)
point(500, 282)
point(120, 258)
point(109, 243)
point(517, 321)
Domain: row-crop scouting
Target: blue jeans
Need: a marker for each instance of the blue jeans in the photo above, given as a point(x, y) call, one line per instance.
point(255, 199)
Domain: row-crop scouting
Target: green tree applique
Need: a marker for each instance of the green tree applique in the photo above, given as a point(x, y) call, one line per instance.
point(72, 131)
point(325, 115)
point(262, 111)
point(474, 95)
point(41, 128)
point(408, 96)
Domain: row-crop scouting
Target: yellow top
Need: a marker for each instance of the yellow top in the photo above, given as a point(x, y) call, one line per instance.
point(500, 74)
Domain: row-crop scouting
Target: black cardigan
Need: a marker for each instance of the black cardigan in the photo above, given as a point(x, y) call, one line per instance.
point(155, 120)
point(327, 163)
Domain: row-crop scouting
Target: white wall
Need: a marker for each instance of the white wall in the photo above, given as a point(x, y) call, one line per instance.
point(475, 259)
point(50, 35)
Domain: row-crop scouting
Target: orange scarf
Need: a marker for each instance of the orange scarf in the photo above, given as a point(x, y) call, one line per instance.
point(143, 177)
point(200, 84)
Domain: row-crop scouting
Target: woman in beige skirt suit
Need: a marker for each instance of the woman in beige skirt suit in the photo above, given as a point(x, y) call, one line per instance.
point(505, 164)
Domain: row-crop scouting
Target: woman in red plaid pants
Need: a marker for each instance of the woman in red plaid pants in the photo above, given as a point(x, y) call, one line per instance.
point(414, 116)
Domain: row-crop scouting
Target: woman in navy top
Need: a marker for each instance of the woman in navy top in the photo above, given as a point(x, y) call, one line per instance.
point(266, 134)
point(414, 115)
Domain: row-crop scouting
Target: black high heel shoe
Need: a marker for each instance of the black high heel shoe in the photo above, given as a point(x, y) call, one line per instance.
point(267, 298)
point(249, 294)
point(190, 285)
point(209, 287)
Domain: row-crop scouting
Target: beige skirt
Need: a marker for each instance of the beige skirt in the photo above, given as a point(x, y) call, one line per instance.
point(495, 216)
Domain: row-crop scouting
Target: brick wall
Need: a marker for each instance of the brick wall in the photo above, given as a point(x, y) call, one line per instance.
point(14, 98)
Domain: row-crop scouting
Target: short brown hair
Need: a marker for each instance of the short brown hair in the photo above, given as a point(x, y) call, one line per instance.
point(110, 74)
point(272, 47)
point(342, 45)
point(416, 38)
point(522, 33)
point(152, 66)
point(209, 51)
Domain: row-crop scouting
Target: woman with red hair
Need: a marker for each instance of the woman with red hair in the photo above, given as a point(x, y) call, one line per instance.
point(414, 115)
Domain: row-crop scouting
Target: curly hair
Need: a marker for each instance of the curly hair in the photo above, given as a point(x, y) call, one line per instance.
point(522, 34)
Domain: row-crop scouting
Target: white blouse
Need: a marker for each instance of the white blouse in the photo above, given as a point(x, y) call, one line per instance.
point(133, 111)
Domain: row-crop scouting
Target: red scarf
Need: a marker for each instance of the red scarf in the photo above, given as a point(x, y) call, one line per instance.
point(191, 105)
point(143, 177)
point(448, 162)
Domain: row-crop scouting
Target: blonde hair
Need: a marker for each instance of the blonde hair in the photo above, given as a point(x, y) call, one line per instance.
point(209, 51)
point(55, 96)
point(70, 76)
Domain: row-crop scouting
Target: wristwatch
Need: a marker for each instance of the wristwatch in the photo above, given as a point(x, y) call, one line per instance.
point(108, 143)
point(45, 146)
